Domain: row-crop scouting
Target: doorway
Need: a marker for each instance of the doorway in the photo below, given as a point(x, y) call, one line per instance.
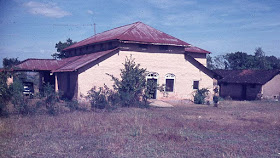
point(152, 81)
point(152, 92)
point(244, 92)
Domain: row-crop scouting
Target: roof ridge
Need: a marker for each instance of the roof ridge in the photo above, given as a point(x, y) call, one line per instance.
point(93, 36)
point(129, 29)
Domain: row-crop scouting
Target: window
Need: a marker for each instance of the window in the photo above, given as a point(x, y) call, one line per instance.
point(195, 84)
point(143, 46)
point(86, 47)
point(169, 82)
point(163, 47)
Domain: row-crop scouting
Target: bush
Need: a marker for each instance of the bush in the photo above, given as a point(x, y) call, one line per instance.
point(5, 94)
point(19, 101)
point(72, 105)
point(215, 99)
point(200, 95)
point(130, 88)
point(51, 98)
point(102, 98)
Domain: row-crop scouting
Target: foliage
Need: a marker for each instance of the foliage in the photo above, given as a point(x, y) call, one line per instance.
point(51, 98)
point(8, 63)
point(19, 101)
point(131, 87)
point(102, 98)
point(60, 46)
point(242, 60)
point(200, 95)
point(72, 105)
point(5, 94)
point(215, 99)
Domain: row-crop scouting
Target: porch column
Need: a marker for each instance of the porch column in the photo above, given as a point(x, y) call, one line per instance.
point(55, 82)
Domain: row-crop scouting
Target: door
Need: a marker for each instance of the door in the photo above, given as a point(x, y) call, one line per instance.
point(244, 92)
point(152, 82)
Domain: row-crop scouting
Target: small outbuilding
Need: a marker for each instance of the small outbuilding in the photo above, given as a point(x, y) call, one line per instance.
point(249, 84)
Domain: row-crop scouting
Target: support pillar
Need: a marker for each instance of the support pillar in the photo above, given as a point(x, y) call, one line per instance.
point(55, 82)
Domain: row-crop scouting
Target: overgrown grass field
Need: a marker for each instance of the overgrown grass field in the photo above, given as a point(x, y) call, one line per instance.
point(234, 129)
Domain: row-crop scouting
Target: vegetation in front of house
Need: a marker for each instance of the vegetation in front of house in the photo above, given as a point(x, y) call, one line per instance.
point(5, 94)
point(200, 95)
point(131, 89)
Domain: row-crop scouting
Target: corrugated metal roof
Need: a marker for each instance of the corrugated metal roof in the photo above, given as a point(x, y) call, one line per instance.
point(66, 64)
point(138, 32)
point(247, 76)
point(39, 64)
point(196, 50)
point(82, 61)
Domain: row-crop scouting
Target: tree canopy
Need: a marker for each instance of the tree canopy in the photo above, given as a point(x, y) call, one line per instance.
point(8, 63)
point(60, 46)
point(241, 60)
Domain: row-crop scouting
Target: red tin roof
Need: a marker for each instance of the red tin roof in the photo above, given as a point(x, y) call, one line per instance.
point(66, 64)
point(196, 50)
point(247, 76)
point(83, 60)
point(137, 32)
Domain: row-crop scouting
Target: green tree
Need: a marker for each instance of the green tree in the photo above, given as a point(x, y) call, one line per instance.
point(260, 59)
point(210, 64)
point(60, 46)
point(240, 60)
point(8, 63)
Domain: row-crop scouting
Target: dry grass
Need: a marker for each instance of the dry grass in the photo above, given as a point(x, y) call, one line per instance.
point(235, 129)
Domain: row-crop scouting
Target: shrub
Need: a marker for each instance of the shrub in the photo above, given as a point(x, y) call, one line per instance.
point(72, 105)
point(5, 94)
point(216, 99)
point(131, 86)
point(200, 95)
point(19, 101)
point(102, 98)
point(51, 98)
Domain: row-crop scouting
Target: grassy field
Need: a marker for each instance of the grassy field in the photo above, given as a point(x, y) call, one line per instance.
point(234, 129)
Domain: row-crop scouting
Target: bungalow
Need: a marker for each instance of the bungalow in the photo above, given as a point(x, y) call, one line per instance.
point(170, 61)
point(249, 84)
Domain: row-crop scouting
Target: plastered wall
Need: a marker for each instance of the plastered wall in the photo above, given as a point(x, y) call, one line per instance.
point(162, 63)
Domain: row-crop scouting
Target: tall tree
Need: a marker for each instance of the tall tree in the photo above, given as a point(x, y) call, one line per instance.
point(60, 46)
point(240, 60)
point(260, 59)
point(8, 63)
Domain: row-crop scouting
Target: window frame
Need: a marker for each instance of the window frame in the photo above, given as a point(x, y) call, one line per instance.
point(194, 81)
point(169, 77)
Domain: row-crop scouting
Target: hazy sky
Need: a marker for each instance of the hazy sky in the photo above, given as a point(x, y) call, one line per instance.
point(30, 29)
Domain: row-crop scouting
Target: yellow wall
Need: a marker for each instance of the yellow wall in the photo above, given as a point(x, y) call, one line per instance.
point(162, 63)
point(272, 88)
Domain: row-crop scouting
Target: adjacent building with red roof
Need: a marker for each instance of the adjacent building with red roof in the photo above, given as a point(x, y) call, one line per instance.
point(249, 84)
point(170, 61)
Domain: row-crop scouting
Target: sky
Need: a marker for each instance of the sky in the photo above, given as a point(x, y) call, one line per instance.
point(30, 29)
